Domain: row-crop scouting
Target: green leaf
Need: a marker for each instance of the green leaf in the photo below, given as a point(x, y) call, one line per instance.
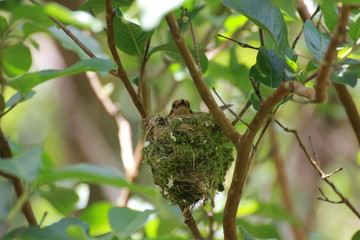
point(172, 52)
point(289, 6)
point(79, 19)
point(77, 232)
point(330, 12)
point(25, 166)
point(347, 75)
point(356, 236)
point(266, 16)
point(26, 82)
point(97, 217)
point(151, 12)
point(31, 12)
point(354, 31)
point(270, 69)
point(92, 173)
point(55, 231)
point(87, 40)
point(247, 236)
point(12, 64)
point(19, 97)
point(125, 221)
point(97, 6)
point(3, 25)
point(9, 5)
point(316, 42)
point(62, 199)
point(129, 37)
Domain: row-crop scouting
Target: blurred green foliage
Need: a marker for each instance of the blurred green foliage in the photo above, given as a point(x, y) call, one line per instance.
point(33, 114)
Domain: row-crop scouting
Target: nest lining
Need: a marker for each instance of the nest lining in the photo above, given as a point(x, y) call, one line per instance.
point(188, 157)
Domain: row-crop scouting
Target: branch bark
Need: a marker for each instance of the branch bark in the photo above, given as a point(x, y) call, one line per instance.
point(121, 73)
point(323, 76)
point(190, 222)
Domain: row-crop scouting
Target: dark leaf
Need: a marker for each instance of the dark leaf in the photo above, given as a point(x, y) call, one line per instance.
point(316, 42)
point(270, 69)
point(267, 17)
point(129, 37)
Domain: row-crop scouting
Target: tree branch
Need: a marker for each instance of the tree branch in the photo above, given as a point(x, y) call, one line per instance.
point(243, 152)
point(190, 222)
point(120, 70)
point(322, 174)
point(323, 76)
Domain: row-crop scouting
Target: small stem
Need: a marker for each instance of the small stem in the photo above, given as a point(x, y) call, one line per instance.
point(243, 45)
point(23, 198)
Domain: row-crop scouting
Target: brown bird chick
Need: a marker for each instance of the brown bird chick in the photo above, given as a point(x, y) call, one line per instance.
point(180, 107)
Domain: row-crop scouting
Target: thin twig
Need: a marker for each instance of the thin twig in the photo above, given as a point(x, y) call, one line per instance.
point(142, 89)
point(243, 45)
point(302, 29)
point(324, 177)
point(258, 141)
point(242, 112)
point(43, 219)
point(326, 199)
point(73, 37)
point(212, 53)
point(121, 73)
point(256, 87)
point(261, 36)
point(194, 40)
point(230, 110)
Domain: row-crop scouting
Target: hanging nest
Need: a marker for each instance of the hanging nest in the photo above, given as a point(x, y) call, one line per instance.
point(189, 156)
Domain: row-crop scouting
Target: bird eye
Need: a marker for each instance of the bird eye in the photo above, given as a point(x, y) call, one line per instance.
point(173, 105)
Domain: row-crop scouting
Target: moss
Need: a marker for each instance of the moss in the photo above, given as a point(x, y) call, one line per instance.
point(188, 156)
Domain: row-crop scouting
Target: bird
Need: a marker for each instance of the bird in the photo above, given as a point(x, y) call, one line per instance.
point(180, 107)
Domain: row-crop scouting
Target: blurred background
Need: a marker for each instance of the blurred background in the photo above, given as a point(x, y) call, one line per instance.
point(67, 119)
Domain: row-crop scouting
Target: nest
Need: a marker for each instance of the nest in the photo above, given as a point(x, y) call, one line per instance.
point(188, 157)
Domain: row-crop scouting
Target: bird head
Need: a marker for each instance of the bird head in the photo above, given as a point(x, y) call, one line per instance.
point(180, 107)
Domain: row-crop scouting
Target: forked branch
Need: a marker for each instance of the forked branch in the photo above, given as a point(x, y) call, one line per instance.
point(322, 174)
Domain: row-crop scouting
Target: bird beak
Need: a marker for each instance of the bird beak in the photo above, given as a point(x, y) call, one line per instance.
point(182, 103)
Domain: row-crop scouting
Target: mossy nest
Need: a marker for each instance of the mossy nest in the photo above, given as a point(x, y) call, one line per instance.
point(189, 157)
